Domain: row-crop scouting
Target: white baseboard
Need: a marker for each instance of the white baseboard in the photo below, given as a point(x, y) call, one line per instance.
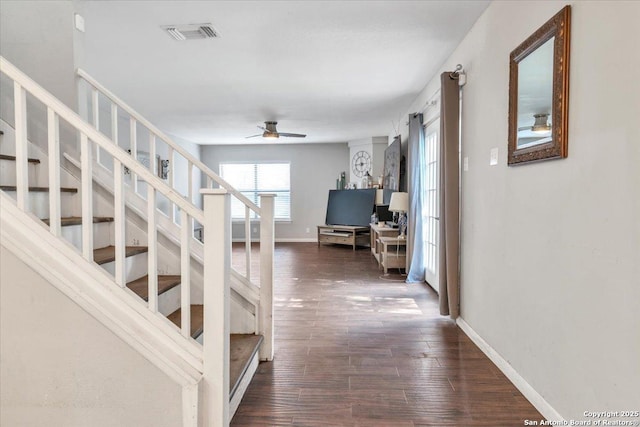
point(283, 240)
point(521, 384)
point(298, 240)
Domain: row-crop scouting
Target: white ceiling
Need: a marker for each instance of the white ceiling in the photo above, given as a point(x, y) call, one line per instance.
point(335, 70)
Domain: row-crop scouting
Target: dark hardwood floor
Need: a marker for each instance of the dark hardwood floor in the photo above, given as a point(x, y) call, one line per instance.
point(356, 348)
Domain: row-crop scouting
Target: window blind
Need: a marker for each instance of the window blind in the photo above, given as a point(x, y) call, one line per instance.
point(251, 179)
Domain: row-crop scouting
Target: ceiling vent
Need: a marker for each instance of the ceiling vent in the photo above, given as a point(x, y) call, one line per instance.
point(191, 31)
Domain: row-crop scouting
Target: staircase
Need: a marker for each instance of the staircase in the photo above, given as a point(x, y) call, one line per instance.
point(92, 224)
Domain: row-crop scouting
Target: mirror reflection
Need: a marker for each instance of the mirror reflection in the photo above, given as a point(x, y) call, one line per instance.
point(535, 93)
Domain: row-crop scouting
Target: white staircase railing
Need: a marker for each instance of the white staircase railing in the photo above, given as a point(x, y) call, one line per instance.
point(263, 287)
point(215, 219)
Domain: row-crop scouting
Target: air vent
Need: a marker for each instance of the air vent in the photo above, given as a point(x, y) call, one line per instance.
point(191, 31)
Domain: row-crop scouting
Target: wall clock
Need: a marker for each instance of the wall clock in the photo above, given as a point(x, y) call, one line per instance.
point(361, 163)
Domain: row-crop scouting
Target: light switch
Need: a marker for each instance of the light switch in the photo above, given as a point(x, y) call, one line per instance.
point(494, 157)
point(465, 164)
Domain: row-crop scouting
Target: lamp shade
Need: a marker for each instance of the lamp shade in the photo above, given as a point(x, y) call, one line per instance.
point(399, 202)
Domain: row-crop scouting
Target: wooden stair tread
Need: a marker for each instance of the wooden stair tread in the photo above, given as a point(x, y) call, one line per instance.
point(77, 220)
point(197, 319)
point(165, 282)
point(108, 253)
point(38, 189)
point(13, 158)
point(242, 349)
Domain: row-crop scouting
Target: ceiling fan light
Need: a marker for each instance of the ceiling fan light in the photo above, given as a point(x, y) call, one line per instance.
point(541, 125)
point(270, 135)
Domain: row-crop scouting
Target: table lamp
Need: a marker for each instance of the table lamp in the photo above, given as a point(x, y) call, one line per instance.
point(400, 203)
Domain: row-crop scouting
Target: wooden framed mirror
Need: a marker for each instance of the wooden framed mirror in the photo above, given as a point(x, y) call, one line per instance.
point(539, 93)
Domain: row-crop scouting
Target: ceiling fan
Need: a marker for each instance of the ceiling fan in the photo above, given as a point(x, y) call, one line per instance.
point(540, 126)
point(270, 132)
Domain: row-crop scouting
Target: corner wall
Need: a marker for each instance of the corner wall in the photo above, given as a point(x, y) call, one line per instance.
point(74, 372)
point(551, 251)
point(314, 170)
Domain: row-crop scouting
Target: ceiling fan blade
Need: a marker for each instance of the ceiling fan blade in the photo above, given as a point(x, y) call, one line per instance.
point(253, 136)
point(261, 128)
point(292, 135)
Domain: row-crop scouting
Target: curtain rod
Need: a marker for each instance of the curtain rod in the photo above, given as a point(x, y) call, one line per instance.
point(457, 74)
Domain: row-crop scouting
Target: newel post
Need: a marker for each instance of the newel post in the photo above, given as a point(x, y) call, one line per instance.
point(217, 254)
point(267, 239)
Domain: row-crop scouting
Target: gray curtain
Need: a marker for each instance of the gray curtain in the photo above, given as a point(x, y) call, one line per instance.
point(415, 171)
point(449, 291)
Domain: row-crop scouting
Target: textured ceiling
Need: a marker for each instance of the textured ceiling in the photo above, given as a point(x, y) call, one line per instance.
point(335, 70)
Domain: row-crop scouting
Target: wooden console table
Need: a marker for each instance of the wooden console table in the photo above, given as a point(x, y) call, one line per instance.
point(394, 254)
point(376, 245)
point(343, 235)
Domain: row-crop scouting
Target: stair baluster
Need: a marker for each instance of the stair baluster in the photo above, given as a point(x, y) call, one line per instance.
point(133, 146)
point(86, 160)
point(185, 274)
point(53, 142)
point(152, 243)
point(22, 172)
point(170, 182)
point(247, 242)
point(95, 109)
point(119, 212)
point(114, 123)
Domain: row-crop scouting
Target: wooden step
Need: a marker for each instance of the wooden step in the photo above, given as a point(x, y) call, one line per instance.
point(38, 189)
point(77, 220)
point(108, 253)
point(165, 283)
point(197, 319)
point(243, 347)
point(13, 158)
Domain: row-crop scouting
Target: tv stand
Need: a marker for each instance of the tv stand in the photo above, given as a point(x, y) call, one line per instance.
point(343, 235)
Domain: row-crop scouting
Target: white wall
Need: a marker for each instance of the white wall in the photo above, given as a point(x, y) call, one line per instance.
point(33, 33)
point(74, 372)
point(314, 170)
point(375, 146)
point(39, 38)
point(551, 251)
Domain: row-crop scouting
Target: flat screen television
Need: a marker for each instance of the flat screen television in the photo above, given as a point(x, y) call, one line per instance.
point(350, 207)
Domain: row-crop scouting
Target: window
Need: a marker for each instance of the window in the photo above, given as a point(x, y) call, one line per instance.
point(431, 205)
point(252, 179)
